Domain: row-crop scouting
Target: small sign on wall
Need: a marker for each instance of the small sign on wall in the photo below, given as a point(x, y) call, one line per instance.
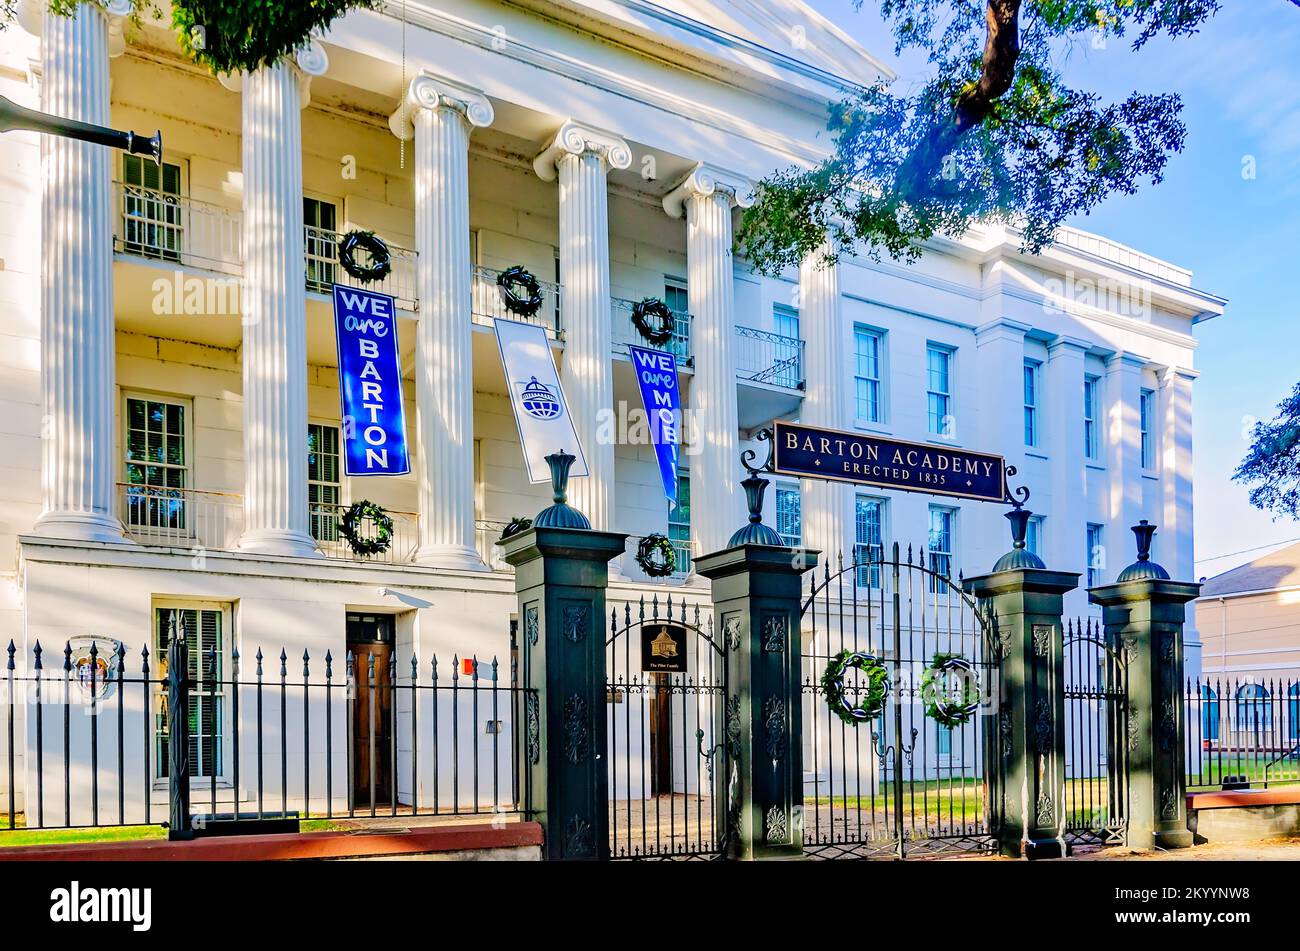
point(663, 648)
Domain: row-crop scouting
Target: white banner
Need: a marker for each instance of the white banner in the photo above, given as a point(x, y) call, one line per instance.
point(541, 411)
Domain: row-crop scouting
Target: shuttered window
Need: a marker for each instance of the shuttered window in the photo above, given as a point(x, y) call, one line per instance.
point(205, 633)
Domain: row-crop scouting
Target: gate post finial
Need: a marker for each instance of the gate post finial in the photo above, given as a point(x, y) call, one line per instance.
point(1144, 610)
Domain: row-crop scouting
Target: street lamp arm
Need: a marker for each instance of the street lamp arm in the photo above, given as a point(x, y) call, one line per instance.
point(14, 117)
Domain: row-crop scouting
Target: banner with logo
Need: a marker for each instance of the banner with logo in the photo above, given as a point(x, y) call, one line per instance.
point(370, 384)
point(656, 375)
point(537, 398)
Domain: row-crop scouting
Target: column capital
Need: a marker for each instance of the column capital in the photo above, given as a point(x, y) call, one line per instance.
point(1122, 361)
point(1171, 375)
point(30, 15)
point(1002, 327)
point(576, 138)
point(429, 90)
point(1063, 344)
point(705, 180)
point(308, 62)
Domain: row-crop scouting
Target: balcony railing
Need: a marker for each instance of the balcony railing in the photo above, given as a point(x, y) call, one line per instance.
point(765, 357)
point(487, 304)
point(404, 537)
point(181, 518)
point(624, 333)
point(188, 233)
point(321, 250)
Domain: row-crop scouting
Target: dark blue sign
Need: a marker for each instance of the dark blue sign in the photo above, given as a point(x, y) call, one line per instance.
point(370, 384)
point(656, 375)
point(815, 453)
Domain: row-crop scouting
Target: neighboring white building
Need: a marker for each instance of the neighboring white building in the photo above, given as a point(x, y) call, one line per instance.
point(606, 146)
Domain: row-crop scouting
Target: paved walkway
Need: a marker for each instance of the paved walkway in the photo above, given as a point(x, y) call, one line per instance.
point(1273, 850)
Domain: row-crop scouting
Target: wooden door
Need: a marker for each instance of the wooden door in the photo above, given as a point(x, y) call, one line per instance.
point(661, 737)
point(363, 726)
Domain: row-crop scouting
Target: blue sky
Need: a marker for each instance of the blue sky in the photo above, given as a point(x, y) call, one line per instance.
point(1240, 83)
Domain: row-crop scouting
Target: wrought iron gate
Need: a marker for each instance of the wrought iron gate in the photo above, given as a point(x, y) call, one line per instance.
point(1097, 737)
point(668, 765)
point(901, 782)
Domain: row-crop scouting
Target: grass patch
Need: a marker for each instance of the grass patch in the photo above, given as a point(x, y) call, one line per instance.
point(24, 836)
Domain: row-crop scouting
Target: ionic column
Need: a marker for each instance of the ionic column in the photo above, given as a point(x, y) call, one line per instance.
point(716, 499)
point(439, 115)
point(1176, 551)
point(581, 157)
point(1068, 532)
point(77, 346)
point(1124, 443)
point(275, 317)
point(826, 508)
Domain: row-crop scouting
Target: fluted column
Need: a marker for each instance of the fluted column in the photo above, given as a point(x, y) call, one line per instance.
point(716, 500)
point(1124, 444)
point(440, 114)
point(77, 345)
point(581, 157)
point(826, 508)
point(275, 318)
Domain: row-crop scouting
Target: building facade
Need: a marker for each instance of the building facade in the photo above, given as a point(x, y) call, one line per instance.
point(169, 378)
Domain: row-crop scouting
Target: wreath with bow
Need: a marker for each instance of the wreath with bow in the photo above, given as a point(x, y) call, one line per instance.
point(381, 262)
point(653, 320)
point(374, 542)
point(869, 692)
point(656, 556)
point(520, 291)
point(948, 703)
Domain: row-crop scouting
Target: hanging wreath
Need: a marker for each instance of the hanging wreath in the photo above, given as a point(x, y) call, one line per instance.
point(944, 704)
point(656, 556)
point(377, 541)
point(517, 525)
point(653, 320)
point(381, 263)
point(520, 291)
point(869, 692)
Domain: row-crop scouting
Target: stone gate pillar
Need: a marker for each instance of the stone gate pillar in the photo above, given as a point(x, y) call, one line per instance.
point(1027, 746)
point(1143, 612)
point(756, 603)
point(561, 570)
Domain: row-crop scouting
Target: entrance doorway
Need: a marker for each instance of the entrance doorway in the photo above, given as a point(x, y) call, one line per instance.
point(371, 636)
point(661, 733)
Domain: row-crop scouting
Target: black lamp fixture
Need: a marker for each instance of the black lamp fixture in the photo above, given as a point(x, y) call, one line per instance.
point(14, 117)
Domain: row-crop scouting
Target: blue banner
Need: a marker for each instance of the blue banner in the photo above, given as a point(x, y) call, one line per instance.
point(370, 384)
point(656, 375)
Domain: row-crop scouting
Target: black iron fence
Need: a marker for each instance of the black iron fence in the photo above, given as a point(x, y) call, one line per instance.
point(1096, 736)
point(1242, 732)
point(192, 737)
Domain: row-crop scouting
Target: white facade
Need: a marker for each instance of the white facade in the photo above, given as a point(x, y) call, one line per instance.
point(608, 148)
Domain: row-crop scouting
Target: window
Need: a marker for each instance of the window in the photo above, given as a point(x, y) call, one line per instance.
point(867, 346)
point(321, 243)
point(679, 524)
point(942, 740)
point(1209, 713)
point(785, 324)
point(1147, 412)
point(1254, 711)
point(1034, 535)
point(942, 521)
point(205, 633)
point(675, 296)
point(788, 515)
point(869, 550)
point(157, 463)
point(1096, 554)
point(1031, 402)
point(939, 389)
point(1090, 417)
point(323, 489)
point(152, 225)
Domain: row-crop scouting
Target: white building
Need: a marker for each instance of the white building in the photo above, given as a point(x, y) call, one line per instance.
point(154, 441)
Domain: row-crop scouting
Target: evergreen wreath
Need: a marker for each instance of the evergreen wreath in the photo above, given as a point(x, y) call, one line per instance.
point(516, 526)
point(656, 556)
point(350, 528)
point(941, 704)
point(381, 263)
point(520, 291)
point(232, 36)
point(871, 690)
point(653, 320)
